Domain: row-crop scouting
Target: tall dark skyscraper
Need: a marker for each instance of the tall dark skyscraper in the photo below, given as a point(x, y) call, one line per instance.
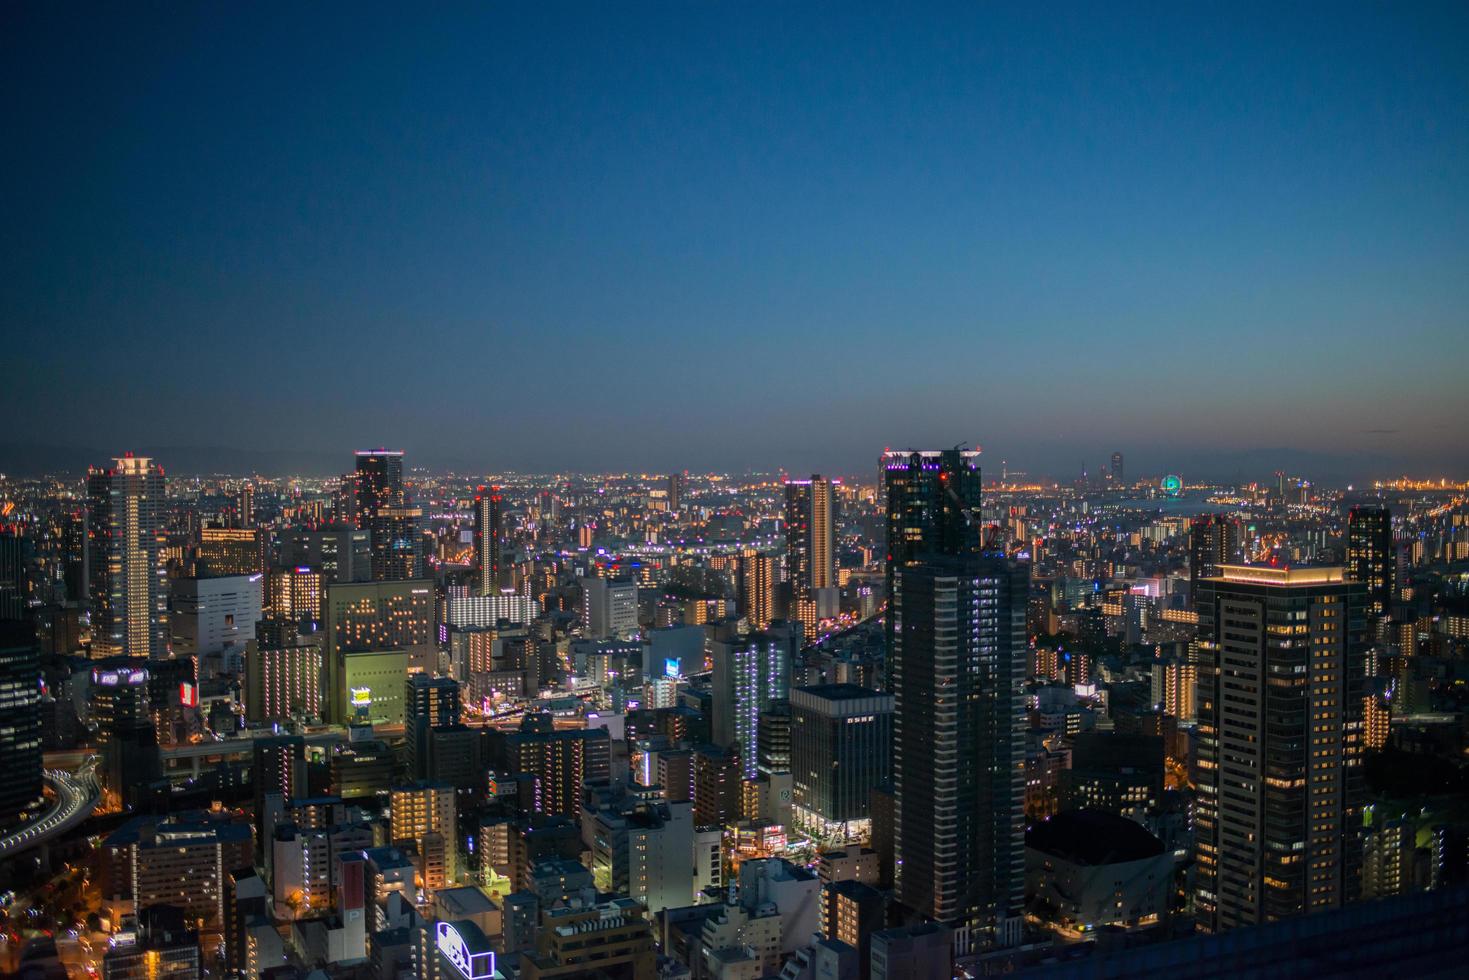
point(20, 723)
point(1117, 475)
point(675, 491)
point(958, 746)
point(956, 619)
point(932, 505)
point(1213, 540)
point(1370, 555)
point(382, 507)
point(12, 573)
point(488, 535)
point(125, 506)
point(1280, 713)
point(74, 556)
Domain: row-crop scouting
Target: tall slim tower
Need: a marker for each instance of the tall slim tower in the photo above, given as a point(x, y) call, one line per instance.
point(382, 507)
point(959, 744)
point(1213, 540)
point(125, 505)
point(487, 538)
point(74, 557)
point(810, 533)
point(245, 507)
point(1370, 555)
point(757, 588)
point(1280, 705)
point(956, 622)
point(1117, 469)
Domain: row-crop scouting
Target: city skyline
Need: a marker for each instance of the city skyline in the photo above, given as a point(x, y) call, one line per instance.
point(749, 231)
point(1226, 469)
point(724, 490)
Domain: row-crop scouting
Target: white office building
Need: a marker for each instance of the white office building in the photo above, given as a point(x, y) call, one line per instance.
point(215, 615)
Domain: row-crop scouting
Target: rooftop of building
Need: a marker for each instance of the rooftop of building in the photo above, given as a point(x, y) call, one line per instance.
point(840, 692)
point(1287, 575)
point(1093, 837)
point(854, 889)
point(385, 858)
point(190, 827)
point(463, 902)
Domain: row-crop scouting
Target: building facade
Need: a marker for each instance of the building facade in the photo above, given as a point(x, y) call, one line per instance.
point(1280, 789)
point(125, 507)
point(382, 507)
point(840, 749)
point(1370, 556)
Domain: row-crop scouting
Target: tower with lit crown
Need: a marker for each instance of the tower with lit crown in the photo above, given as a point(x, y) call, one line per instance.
point(1281, 677)
point(957, 656)
point(125, 507)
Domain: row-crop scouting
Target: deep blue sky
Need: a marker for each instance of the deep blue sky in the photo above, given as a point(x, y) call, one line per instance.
point(745, 235)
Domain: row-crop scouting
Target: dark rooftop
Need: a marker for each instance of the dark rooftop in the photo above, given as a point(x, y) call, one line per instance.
point(1093, 837)
point(840, 692)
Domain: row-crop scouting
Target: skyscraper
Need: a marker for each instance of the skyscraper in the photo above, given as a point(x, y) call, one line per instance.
point(20, 723)
point(1117, 469)
point(74, 557)
point(957, 663)
point(757, 588)
point(1213, 540)
point(339, 552)
point(125, 506)
point(675, 491)
point(810, 535)
point(956, 622)
point(245, 506)
point(932, 506)
point(810, 549)
point(1370, 555)
point(13, 591)
point(382, 507)
point(1280, 701)
point(487, 538)
point(750, 672)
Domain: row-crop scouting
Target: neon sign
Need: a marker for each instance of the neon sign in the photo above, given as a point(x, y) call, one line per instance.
point(474, 966)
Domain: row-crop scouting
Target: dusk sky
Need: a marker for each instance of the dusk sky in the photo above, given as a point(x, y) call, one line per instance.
point(748, 235)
